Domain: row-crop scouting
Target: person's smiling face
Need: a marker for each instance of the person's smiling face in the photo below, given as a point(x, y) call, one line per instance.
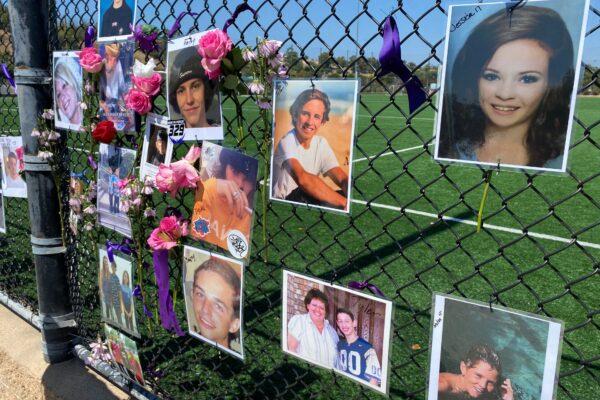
point(316, 310)
point(309, 120)
point(513, 83)
point(190, 99)
point(479, 379)
point(66, 98)
point(346, 324)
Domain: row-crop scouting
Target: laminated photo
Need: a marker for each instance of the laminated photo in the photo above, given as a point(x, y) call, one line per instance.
point(11, 150)
point(509, 84)
point(2, 214)
point(115, 164)
point(157, 148)
point(213, 288)
point(115, 82)
point(480, 351)
point(337, 328)
point(313, 134)
point(224, 202)
point(68, 90)
point(76, 186)
point(116, 19)
point(115, 283)
point(124, 353)
point(193, 100)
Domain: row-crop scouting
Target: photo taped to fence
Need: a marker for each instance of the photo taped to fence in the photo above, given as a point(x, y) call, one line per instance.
point(479, 351)
point(115, 82)
point(115, 285)
point(11, 150)
point(124, 353)
point(313, 134)
point(68, 90)
point(116, 18)
point(192, 98)
point(157, 148)
point(213, 288)
point(115, 164)
point(224, 202)
point(337, 328)
point(76, 189)
point(509, 84)
point(2, 214)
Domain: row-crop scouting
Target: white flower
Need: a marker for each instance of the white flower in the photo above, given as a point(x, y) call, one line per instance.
point(53, 135)
point(142, 70)
point(88, 227)
point(83, 106)
point(149, 213)
point(147, 190)
point(276, 61)
point(268, 48)
point(256, 88)
point(282, 72)
point(90, 210)
point(265, 105)
point(125, 205)
point(137, 202)
point(35, 133)
point(248, 55)
point(48, 114)
point(45, 155)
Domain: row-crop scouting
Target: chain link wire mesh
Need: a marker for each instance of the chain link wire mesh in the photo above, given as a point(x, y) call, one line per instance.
point(411, 229)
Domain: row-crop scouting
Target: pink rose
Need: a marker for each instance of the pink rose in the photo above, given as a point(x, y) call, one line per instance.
point(185, 174)
point(90, 60)
point(169, 231)
point(165, 181)
point(193, 154)
point(180, 174)
point(149, 85)
point(212, 67)
point(138, 101)
point(214, 46)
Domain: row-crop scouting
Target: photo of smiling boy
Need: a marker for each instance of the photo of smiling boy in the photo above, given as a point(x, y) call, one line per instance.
point(213, 295)
point(508, 95)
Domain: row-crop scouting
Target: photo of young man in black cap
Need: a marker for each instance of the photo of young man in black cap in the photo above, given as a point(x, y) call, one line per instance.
point(192, 97)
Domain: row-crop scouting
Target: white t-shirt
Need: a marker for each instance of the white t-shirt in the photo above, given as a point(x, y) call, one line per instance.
point(317, 160)
point(17, 183)
point(320, 347)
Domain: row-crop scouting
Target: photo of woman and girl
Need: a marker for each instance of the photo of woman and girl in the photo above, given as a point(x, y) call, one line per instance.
point(337, 328)
point(124, 353)
point(224, 203)
point(509, 84)
point(11, 150)
point(116, 292)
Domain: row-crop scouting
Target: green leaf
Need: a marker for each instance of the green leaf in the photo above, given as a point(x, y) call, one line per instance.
point(230, 82)
point(242, 89)
point(238, 60)
point(227, 65)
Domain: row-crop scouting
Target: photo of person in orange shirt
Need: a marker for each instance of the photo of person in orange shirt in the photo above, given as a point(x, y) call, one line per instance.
point(224, 203)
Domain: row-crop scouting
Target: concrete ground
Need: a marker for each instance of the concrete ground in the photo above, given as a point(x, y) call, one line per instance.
point(25, 375)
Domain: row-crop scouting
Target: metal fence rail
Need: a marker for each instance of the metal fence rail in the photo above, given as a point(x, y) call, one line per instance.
point(411, 229)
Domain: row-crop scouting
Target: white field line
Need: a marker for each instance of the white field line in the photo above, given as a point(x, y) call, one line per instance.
point(379, 118)
point(390, 152)
point(488, 226)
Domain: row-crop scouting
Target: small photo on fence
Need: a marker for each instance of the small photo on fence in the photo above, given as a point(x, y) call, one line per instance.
point(76, 188)
point(213, 288)
point(124, 353)
point(193, 99)
point(224, 203)
point(115, 283)
point(509, 84)
point(68, 90)
point(116, 18)
point(313, 134)
point(2, 214)
point(115, 164)
point(337, 328)
point(157, 148)
point(491, 352)
point(11, 150)
point(115, 82)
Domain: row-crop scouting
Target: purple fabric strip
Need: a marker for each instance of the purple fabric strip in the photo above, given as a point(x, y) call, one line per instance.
point(238, 10)
point(147, 42)
point(90, 36)
point(137, 292)
point(123, 247)
point(92, 162)
point(390, 58)
point(177, 24)
point(8, 76)
point(165, 301)
point(362, 285)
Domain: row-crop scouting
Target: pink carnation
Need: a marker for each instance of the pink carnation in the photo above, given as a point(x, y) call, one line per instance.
point(169, 231)
point(213, 47)
point(180, 174)
point(138, 101)
point(149, 85)
point(90, 60)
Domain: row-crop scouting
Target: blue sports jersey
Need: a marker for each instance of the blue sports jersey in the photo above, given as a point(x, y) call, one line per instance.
point(358, 359)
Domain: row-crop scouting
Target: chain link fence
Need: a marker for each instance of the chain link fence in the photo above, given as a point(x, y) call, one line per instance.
point(411, 228)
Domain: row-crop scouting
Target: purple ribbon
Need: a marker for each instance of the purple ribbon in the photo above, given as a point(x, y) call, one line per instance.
point(90, 36)
point(168, 318)
point(137, 292)
point(92, 163)
point(177, 24)
point(238, 10)
point(8, 76)
point(390, 58)
point(147, 41)
point(362, 285)
point(123, 247)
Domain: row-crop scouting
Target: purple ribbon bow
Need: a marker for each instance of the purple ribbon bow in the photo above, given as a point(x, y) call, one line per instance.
point(123, 247)
point(362, 285)
point(147, 41)
point(137, 292)
point(390, 58)
point(177, 24)
point(8, 76)
point(90, 36)
point(238, 10)
point(168, 318)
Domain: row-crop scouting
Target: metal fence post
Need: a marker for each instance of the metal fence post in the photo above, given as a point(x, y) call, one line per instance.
point(29, 24)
